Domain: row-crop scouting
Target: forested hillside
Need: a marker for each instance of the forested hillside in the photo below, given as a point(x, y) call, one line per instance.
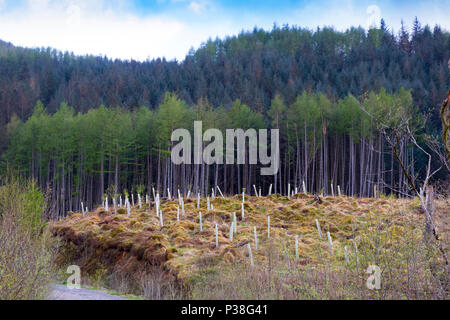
point(309, 84)
point(253, 67)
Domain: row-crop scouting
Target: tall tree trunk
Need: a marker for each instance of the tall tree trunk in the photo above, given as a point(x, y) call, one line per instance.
point(116, 171)
point(102, 171)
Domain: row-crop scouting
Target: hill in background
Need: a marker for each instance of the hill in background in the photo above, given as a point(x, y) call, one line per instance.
point(252, 67)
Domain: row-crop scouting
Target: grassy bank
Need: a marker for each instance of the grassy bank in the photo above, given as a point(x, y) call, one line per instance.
point(136, 254)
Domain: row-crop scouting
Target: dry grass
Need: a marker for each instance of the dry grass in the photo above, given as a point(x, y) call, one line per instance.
point(382, 228)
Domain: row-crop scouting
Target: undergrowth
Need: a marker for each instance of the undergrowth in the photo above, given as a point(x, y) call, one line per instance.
point(27, 250)
point(178, 261)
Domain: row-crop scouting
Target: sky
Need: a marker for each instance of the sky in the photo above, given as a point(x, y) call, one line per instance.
point(148, 29)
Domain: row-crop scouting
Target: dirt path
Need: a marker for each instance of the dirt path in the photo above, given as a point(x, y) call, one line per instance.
point(61, 292)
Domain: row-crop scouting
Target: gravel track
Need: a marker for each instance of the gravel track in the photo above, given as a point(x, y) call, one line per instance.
point(62, 292)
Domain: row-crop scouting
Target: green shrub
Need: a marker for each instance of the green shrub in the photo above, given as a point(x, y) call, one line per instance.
point(22, 200)
point(26, 248)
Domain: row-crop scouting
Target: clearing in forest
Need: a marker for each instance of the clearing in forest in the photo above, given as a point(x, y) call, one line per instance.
point(181, 249)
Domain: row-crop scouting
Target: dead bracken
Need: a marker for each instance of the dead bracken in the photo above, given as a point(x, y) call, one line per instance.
point(181, 249)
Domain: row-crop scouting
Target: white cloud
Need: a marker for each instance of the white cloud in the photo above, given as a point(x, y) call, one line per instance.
point(108, 27)
point(100, 27)
point(197, 7)
point(93, 29)
point(344, 14)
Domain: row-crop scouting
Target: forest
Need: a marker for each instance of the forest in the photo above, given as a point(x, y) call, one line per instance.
point(88, 127)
